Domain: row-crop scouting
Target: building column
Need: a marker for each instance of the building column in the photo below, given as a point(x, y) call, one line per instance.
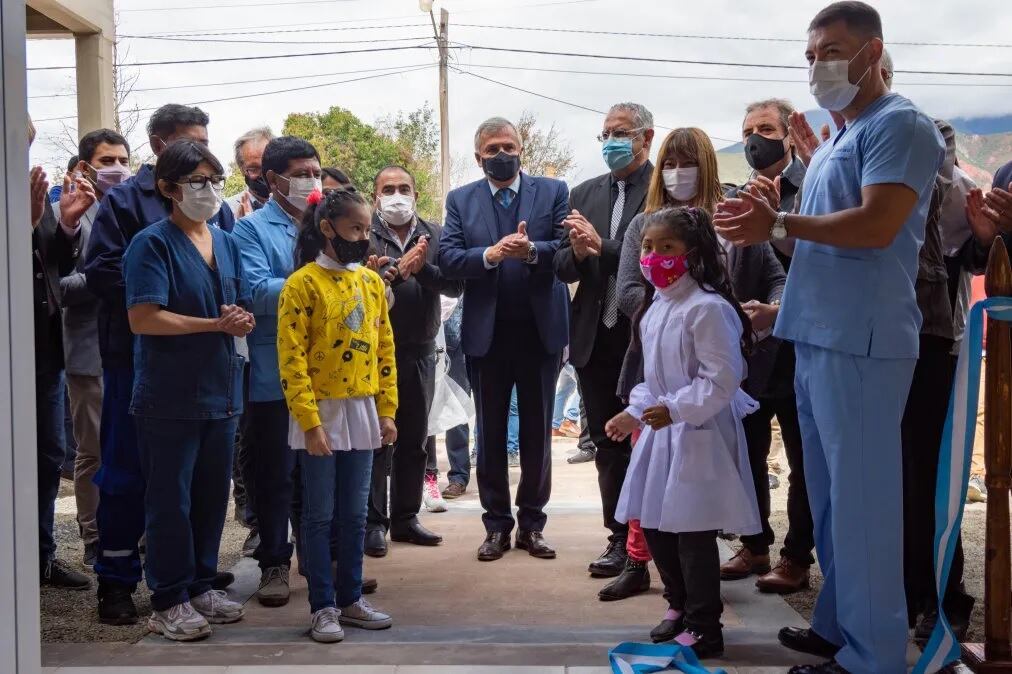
point(96, 98)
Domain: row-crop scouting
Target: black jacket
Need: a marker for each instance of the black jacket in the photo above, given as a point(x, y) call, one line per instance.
point(415, 316)
point(50, 251)
point(593, 198)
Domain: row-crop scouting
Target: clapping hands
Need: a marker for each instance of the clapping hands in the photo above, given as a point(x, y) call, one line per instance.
point(515, 245)
point(582, 236)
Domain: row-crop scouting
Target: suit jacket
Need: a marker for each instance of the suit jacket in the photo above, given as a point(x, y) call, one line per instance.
point(50, 251)
point(470, 228)
point(80, 306)
point(594, 201)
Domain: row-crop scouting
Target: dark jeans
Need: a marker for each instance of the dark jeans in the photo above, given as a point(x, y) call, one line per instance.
point(431, 460)
point(405, 461)
point(800, 538)
point(50, 451)
point(458, 446)
point(121, 482)
point(188, 467)
point(242, 467)
point(335, 493)
point(923, 423)
point(271, 463)
point(689, 565)
point(598, 385)
point(515, 358)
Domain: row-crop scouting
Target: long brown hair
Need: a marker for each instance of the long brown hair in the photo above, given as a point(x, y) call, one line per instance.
point(692, 145)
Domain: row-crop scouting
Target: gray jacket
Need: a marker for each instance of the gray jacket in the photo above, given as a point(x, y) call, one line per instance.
point(80, 309)
point(756, 274)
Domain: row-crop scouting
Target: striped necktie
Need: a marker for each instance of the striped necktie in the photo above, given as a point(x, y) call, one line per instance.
point(504, 197)
point(610, 315)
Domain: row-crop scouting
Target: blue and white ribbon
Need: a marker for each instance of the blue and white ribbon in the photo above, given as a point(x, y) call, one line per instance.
point(634, 658)
point(954, 471)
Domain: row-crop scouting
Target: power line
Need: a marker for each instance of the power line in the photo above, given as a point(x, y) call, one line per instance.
point(306, 29)
point(304, 42)
point(254, 81)
point(691, 36)
point(247, 4)
point(264, 93)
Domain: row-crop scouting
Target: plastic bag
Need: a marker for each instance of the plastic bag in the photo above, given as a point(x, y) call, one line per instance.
point(451, 406)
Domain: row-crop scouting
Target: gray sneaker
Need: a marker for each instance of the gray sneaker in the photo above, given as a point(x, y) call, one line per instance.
point(362, 614)
point(976, 490)
point(326, 626)
point(179, 623)
point(274, 589)
point(217, 608)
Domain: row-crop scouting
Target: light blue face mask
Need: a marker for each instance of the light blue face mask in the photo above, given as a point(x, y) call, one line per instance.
point(617, 153)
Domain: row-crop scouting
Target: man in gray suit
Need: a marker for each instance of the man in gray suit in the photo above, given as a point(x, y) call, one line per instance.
point(104, 158)
point(602, 208)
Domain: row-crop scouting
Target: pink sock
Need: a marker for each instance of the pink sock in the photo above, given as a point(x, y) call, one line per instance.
point(672, 614)
point(685, 639)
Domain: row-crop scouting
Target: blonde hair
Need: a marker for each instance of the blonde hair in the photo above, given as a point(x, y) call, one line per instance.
point(692, 145)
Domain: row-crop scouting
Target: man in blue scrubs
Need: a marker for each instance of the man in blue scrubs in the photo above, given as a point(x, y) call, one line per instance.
point(850, 309)
point(126, 209)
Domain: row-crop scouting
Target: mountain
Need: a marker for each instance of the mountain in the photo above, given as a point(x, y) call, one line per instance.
point(982, 155)
point(982, 125)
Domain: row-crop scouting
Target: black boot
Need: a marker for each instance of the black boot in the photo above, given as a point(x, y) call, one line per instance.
point(115, 604)
point(612, 561)
point(708, 645)
point(634, 579)
point(55, 573)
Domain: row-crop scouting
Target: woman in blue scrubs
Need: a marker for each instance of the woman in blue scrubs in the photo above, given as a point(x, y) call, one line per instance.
point(186, 298)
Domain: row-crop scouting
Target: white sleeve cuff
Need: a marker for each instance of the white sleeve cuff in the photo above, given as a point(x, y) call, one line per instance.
point(70, 231)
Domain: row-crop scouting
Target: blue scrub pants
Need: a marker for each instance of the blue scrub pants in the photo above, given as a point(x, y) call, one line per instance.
point(120, 516)
point(188, 464)
point(849, 410)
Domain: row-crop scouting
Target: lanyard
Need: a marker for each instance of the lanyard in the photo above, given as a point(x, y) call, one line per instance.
point(634, 658)
point(954, 470)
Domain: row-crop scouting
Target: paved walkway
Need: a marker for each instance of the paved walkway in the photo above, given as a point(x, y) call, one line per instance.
point(454, 615)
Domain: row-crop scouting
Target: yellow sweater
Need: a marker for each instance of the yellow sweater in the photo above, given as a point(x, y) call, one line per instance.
point(335, 341)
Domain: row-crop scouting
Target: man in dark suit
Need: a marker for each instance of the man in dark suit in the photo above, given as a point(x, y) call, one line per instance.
point(500, 237)
point(601, 210)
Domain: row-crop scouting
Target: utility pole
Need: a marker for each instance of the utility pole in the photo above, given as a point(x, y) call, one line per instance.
point(444, 103)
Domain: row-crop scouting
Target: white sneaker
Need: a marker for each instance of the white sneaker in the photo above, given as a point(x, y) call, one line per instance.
point(326, 627)
point(217, 607)
point(362, 614)
point(179, 623)
point(434, 501)
point(976, 491)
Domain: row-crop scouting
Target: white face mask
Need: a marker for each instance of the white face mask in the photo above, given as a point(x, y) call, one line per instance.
point(830, 84)
point(199, 205)
point(299, 190)
point(397, 209)
point(681, 182)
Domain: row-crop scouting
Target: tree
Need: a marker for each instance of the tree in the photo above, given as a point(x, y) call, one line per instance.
point(546, 153)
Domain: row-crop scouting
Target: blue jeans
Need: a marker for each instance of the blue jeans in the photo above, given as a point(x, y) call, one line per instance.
point(457, 438)
point(567, 398)
point(50, 451)
point(335, 495)
point(188, 468)
point(513, 426)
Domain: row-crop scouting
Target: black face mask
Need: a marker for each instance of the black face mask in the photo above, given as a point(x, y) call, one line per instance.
point(762, 152)
point(349, 252)
point(501, 167)
point(258, 186)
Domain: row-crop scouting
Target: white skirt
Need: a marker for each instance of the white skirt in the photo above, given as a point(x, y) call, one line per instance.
point(350, 423)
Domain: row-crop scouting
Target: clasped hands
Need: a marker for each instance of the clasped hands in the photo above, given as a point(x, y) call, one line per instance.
point(235, 321)
point(515, 245)
point(623, 424)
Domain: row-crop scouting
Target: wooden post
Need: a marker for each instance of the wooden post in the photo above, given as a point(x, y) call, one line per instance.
point(996, 654)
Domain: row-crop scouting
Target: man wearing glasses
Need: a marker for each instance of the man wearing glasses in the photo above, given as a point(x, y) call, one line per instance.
point(602, 208)
point(126, 209)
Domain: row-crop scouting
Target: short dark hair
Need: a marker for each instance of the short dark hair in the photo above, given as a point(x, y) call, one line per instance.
point(860, 18)
point(170, 117)
point(338, 175)
point(181, 158)
point(391, 167)
point(90, 142)
point(74, 161)
point(280, 151)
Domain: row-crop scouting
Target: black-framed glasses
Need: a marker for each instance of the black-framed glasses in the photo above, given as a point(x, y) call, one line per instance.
point(197, 181)
point(619, 134)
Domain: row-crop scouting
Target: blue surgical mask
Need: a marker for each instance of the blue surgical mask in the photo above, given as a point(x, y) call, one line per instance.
point(617, 153)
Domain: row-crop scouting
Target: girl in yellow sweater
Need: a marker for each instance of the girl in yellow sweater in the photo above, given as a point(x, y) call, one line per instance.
point(336, 356)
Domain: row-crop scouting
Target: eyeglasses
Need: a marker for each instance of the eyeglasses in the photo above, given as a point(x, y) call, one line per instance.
point(198, 181)
point(619, 134)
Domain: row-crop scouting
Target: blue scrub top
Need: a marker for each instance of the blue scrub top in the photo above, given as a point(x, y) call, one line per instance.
point(196, 376)
point(862, 301)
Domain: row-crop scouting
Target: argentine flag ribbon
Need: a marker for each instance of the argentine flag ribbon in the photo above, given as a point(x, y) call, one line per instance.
point(634, 658)
point(954, 470)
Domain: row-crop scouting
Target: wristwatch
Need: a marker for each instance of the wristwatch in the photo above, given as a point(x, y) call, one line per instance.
point(778, 232)
point(532, 253)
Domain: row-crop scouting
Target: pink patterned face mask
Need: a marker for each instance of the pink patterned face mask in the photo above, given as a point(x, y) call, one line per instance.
point(663, 270)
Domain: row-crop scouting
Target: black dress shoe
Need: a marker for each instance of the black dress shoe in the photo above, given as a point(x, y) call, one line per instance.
point(611, 562)
point(634, 579)
point(534, 543)
point(222, 580)
point(583, 455)
point(495, 546)
point(376, 543)
point(807, 641)
point(115, 604)
point(415, 534)
point(831, 667)
point(668, 630)
point(709, 645)
point(369, 585)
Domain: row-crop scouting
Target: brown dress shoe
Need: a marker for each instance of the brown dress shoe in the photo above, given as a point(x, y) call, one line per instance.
point(786, 577)
point(744, 564)
point(454, 490)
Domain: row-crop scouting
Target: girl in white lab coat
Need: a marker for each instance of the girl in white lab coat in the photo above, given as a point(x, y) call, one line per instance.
point(689, 475)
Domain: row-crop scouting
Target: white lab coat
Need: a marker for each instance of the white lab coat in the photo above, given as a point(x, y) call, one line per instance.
point(694, 474)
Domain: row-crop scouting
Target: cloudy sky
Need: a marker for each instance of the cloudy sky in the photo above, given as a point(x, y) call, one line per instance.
point(708, 96)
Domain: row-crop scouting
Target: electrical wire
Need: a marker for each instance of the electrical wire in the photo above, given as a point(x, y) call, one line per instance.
point(243, 5)
point(307, 29)
point(304, 42)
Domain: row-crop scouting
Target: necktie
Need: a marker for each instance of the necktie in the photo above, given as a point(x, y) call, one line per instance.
point(610, 315)
point(504, 197)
